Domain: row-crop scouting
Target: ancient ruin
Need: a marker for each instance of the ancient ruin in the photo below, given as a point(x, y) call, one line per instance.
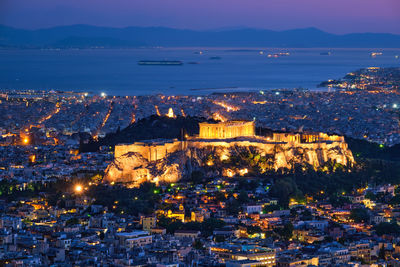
point(168, 160)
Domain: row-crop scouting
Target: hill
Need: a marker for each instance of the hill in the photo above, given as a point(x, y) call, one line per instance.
point(153, 127)
point(85, 36)
point(363, 149)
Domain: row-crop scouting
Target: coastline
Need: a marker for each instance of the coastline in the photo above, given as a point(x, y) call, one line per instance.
point(116, 71)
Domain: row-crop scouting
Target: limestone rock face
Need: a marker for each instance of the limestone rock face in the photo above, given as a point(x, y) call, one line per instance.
point(170, 174)
point(313, 154)
point(134, 169)
point(130, 167)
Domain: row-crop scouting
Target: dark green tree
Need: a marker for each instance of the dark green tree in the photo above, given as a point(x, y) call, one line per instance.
point(359, 215)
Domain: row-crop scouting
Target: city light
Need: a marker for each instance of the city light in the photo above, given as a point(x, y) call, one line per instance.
point(226, 106)
point(32, 158)
point(78, 188)
point(170, 113)
point(256, 162)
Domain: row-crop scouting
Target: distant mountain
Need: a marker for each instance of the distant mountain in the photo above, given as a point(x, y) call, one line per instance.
point(83, 36)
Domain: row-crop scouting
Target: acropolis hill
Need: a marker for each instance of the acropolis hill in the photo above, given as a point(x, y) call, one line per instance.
point(163, 160)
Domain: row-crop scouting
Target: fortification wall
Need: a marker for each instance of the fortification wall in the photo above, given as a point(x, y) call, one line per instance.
point(122, 149)
point(313, 153)
point(150, 151)
point(142, 165)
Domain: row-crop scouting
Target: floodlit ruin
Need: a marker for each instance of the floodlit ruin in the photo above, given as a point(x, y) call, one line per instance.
point(168, 160)
point(226, 130)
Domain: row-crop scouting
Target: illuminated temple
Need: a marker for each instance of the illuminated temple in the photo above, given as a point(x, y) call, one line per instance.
point(226, 130)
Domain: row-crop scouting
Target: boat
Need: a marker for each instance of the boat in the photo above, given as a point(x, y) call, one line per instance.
point(281, 54)
point(161, 62)
point(375, 54)
point(325, 53)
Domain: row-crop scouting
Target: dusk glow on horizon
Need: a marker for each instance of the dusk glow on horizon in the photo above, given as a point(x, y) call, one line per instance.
point(335, 16)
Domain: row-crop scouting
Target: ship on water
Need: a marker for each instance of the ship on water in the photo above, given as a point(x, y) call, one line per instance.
point(375, 54)
point(161, 62)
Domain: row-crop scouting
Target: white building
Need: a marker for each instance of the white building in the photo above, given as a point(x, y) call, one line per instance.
point(134, 239)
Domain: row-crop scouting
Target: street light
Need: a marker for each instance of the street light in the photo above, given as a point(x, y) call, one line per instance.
point(78, 188)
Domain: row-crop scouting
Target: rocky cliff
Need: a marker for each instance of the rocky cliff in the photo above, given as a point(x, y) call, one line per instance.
point(133, 169)
point(236, 158)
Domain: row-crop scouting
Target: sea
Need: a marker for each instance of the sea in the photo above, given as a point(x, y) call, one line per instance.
point(204, 70)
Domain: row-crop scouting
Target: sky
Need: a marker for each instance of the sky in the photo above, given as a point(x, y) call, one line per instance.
point(335, 16)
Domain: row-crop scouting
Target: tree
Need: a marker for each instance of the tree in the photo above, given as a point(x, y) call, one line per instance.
point(387, 228)
point(271, 208)
point(306, 215)
point(395, 200)
point(219, 196)
point(233, 207)
point(286, 232)
point(359, 215)
point(370, 195)
point(219, 238)
point(253, 230)
point(198, 245)
point(209, 225)
point(197, 177)
point(381, 253)
point(243, 197)
point(284, 189)
point(338, 201)
point(72, 221)
point(101, 236)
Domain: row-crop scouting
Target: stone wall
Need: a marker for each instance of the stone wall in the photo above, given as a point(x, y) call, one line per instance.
point(152, 151)
point(316, 145)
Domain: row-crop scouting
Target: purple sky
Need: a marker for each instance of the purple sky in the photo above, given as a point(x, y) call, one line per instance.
point(336, 16)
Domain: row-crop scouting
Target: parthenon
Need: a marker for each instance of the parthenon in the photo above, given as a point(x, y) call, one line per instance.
point(226, 130)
